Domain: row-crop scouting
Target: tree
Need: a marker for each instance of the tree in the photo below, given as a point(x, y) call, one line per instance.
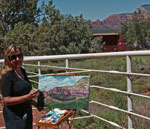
point(97, 45)
point(64, 34)
point(24, 35)
point(56, 33)
point(137, 32)
point(14, 11)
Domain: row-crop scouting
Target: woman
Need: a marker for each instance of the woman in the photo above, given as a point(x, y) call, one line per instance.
point(16, 91)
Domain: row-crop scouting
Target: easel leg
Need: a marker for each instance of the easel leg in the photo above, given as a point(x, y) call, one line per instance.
point(70, 123)
point(61, 125)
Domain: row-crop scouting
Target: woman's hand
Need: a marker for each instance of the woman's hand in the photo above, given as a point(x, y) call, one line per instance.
point(33, 93)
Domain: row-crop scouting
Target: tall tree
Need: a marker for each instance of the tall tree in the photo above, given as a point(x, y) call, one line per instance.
point(24, 35)
point(56, 34)
point(14, 11)
point(137, 32)
point(64, 34)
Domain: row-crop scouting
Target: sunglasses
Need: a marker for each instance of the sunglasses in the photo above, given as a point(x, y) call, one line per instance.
point(14, 57)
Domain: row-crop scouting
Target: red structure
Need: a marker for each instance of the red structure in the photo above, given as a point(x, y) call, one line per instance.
point(114, 42)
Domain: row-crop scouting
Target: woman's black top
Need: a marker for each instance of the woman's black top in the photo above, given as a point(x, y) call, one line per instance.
point(17, 116)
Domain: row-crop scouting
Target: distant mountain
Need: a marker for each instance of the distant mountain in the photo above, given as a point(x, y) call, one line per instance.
point(144, 9)
point(112, 23)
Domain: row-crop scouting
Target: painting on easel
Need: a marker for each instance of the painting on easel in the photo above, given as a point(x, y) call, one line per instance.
point(68, 92)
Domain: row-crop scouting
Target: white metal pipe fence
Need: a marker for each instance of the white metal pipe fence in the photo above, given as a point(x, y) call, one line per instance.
point(129, 93)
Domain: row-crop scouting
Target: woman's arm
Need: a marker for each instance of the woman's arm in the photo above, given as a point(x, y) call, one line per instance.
point(20, 99)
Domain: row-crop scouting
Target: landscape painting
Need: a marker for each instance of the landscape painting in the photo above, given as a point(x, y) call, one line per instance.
point(67, 92)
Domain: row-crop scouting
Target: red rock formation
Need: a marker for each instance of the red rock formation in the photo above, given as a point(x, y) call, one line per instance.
point(113, 21)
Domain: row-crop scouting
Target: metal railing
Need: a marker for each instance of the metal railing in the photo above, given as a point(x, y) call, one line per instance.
point(129, 93)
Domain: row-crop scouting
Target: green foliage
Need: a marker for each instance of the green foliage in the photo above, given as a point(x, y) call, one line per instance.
point(137, 32)
point(67, 36)
point(23, 35)
point(14, 15)
point(14, 11)
point(97, 45)
point(118, 100)
point(56, 34)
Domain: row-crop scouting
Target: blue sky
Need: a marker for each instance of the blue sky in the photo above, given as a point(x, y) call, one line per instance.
point(96, 9)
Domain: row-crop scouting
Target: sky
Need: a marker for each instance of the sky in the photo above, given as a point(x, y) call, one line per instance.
point(96, 9)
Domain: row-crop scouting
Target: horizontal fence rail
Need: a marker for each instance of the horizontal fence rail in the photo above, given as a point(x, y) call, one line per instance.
point(84, 56)
point(129, 93)
point(120, 91)
point(89, 70)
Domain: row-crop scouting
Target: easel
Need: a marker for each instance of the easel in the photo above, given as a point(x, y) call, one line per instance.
point(59, 123)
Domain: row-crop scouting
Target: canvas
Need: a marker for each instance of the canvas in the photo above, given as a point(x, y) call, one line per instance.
point(67, 92)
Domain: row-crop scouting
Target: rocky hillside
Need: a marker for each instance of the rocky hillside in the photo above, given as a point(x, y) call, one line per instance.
point(112, 23)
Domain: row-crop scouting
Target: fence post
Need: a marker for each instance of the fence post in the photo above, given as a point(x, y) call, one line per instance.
point(129, 89)
point(39, 68)
point(67, 65)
